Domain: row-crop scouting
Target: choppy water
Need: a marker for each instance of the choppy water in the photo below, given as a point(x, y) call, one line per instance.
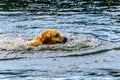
point(91, 53)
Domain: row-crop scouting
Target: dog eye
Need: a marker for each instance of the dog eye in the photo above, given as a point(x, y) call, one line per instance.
point(57, 35)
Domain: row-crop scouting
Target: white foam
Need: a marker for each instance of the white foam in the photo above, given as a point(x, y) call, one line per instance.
point(12, 44)
point(74, 43)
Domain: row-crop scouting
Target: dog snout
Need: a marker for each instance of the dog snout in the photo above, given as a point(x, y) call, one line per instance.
point(65, 40)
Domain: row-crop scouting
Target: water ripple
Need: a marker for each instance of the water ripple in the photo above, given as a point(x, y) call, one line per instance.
point(92, 50)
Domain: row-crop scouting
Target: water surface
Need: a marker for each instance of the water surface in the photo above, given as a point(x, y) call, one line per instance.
point(91, 52)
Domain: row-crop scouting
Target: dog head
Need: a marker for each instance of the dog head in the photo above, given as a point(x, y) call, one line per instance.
point(53, 36)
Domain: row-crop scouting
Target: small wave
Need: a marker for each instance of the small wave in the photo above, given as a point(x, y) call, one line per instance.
point(67, 78)
point(74, 43)
point(35, 75)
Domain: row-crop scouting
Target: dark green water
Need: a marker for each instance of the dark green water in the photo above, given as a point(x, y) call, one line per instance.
point(91, 52)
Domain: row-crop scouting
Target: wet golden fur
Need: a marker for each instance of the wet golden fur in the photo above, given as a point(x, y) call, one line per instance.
point(50, 36)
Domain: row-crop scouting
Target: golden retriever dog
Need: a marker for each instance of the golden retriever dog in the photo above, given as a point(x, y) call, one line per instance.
point(50, 36)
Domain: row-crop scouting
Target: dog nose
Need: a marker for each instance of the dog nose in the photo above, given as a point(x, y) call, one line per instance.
point(65, 40)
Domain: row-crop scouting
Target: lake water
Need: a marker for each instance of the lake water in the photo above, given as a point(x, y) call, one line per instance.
point(91, 52)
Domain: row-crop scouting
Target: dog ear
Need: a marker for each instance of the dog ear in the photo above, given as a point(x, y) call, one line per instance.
point(46, 37)
point(46, 34)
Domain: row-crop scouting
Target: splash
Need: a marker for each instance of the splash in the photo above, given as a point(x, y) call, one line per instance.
point(8, 44)
point(74, 43)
